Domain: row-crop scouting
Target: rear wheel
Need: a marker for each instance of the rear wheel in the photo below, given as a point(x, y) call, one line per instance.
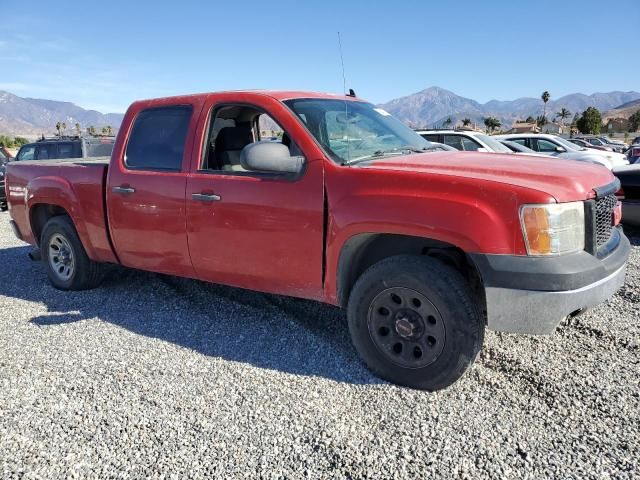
point(414, 322)
point(64, 257)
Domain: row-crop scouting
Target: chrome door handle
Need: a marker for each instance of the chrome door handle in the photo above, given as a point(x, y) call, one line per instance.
point(206, 197)
point(123, 189)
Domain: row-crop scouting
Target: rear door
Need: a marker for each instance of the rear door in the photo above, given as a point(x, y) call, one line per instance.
point(146, 189)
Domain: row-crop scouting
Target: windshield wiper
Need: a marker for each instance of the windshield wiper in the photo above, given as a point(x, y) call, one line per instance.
point(383, 153)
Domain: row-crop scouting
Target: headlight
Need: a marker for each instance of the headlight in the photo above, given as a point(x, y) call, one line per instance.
point(553, 229)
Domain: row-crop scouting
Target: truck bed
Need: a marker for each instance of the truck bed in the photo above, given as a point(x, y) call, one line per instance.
point(82, 183)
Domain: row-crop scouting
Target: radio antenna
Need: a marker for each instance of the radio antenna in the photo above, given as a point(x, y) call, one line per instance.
point(344, 77)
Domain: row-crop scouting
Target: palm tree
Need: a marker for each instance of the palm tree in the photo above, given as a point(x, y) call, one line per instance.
point(466, 122)
point(58, 127)
point(562, 114)
point(545, 98)
point(63, 126)
point(447, 122)
point(78, 129)
point(492, 123)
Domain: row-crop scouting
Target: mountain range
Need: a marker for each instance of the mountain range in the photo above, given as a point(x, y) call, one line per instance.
point(431, 107)
point(33, 116)
point(427, 108)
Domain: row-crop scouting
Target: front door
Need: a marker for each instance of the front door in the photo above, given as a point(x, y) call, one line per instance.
point(251, 229)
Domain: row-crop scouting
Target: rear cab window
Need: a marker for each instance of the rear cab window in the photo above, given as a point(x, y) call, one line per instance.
point(158, 138)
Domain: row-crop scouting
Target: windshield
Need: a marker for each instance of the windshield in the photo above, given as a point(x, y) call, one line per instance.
point(353, 131)
point(493, 144)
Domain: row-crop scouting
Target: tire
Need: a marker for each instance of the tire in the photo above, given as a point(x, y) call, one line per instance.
point(71, 268)
point(414, 322)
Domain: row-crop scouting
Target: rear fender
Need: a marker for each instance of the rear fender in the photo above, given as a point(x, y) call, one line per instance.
point(59, 192)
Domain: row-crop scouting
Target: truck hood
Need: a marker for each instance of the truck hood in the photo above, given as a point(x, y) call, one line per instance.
point(565, 180)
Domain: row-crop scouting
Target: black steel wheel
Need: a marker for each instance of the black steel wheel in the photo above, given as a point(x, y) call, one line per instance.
point(406, 327)
point(415, 322)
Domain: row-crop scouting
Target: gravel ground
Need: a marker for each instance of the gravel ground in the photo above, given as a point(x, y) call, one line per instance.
point(153, 376)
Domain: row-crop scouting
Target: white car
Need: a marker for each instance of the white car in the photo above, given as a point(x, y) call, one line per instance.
point(464, 140)
point(561, 148)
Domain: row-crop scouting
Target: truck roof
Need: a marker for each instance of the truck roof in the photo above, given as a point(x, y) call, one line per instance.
point(280, 95)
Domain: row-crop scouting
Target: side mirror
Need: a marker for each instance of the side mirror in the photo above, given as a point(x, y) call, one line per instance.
point(560, 149)
point(270, 156)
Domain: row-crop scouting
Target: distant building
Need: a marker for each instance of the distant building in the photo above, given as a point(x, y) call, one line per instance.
point(616, 125)
point(554, 129)
point(524, 127)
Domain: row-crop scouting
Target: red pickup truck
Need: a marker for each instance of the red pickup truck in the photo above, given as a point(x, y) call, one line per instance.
point(330, 198)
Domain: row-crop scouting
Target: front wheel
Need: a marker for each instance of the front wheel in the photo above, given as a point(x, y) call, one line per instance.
point(64, 257)
point(414, 322)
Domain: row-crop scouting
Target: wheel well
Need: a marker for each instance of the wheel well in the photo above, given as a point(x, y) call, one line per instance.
point(362, 251)
point(41, 214)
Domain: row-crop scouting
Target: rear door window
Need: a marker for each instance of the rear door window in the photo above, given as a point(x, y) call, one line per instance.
point(157, 138)
point(103, 148)
point(68, 150)
point(46, 151)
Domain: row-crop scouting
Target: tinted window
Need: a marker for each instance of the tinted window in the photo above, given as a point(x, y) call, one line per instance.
point(101, 149)
point(69, 150)
point(454, 141)
point(46, 151)
point(469, 144)
point(27, 152)
point(430, 137)
point(157, 138)
point(521, 141)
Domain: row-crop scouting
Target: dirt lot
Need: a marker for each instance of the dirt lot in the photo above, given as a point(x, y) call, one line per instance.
point(156, 376)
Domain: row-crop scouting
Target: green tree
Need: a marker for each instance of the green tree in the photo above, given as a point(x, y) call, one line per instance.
point(492, 123)
point(541, 121)
point(530, 119)
point(545, 98)
point(447, 122)
point(562, 114)
point(634, 121)
point(590, 121)
point(58, 128)
point(78, 129)
point(466, 122)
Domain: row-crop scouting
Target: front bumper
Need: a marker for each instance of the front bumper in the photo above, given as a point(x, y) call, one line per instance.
point(533, 294)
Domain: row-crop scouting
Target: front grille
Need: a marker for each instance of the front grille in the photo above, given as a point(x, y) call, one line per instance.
point(604, 218)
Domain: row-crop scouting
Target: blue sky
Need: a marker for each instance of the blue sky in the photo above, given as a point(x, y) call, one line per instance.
point(106, 57)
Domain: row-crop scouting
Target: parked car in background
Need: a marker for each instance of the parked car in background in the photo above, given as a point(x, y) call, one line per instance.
point(617, 145)
point(5, 155)
point(629, 193)
point(636, 141)
point(424, 249)
point(66, 147)
point(521, 149)
point(598, 142)
point(464, 140)
point(562, 148)
point(633, 154)
point(584, 144)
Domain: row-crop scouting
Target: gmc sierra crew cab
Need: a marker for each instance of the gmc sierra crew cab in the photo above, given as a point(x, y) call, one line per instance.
point(339, 203)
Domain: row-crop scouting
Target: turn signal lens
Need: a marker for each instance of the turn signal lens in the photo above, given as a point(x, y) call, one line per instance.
point(553, 229)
